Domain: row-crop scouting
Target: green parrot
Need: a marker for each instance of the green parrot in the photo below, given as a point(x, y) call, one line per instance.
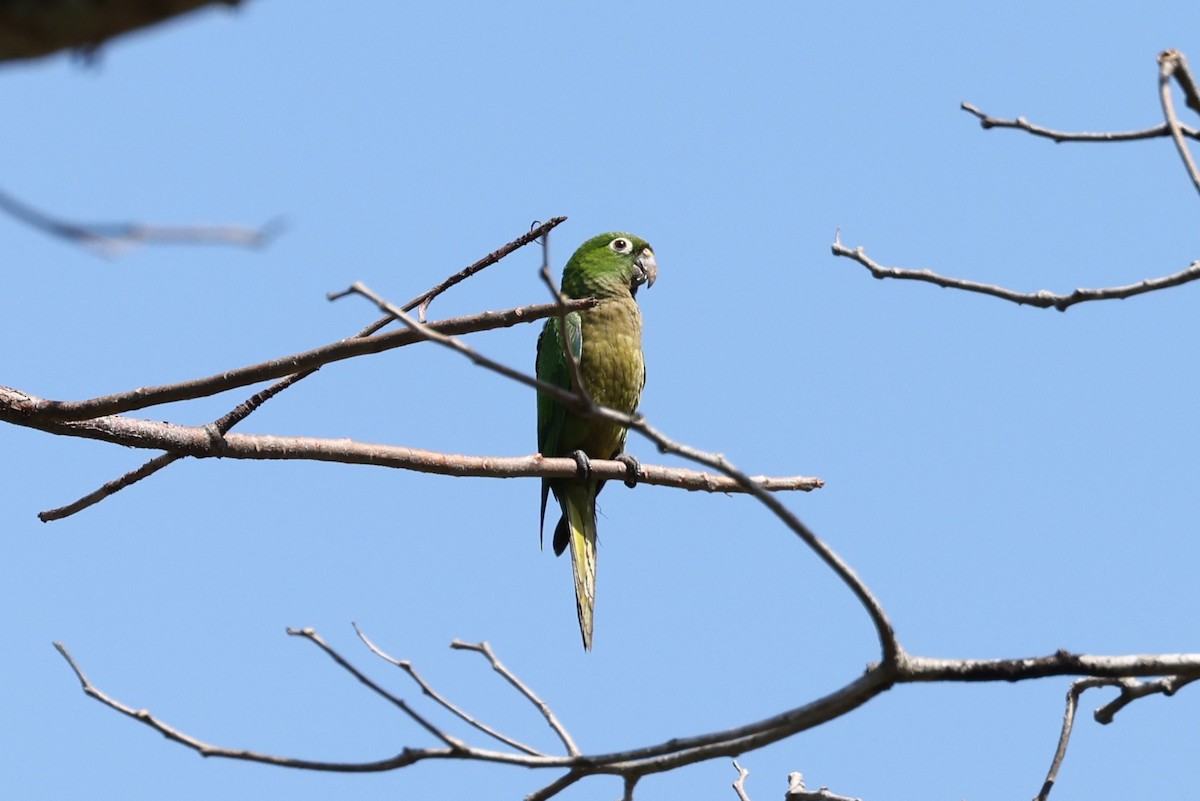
point(607, 341)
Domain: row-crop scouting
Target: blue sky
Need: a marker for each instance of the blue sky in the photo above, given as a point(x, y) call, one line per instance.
point(1009, 481)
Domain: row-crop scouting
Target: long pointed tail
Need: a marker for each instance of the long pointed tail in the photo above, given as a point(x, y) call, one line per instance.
point(580, 509)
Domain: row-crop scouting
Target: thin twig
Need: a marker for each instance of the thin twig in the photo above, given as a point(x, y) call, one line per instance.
point(1060, 752)
point(1131, 690)
point(311, 635)
point(521, 687)
point(1171, 62)
point(1043, 299)
point(407, 757)
point(428, 690)
point(1022, 124)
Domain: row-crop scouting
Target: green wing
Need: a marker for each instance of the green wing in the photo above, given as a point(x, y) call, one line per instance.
point(554, 368)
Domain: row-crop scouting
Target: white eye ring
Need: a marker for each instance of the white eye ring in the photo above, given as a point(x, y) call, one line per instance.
point(621, 245)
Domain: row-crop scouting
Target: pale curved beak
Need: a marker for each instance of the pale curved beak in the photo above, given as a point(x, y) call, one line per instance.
point(646, 269)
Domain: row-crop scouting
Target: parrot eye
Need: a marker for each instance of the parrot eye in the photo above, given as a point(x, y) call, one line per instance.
point(621, 245)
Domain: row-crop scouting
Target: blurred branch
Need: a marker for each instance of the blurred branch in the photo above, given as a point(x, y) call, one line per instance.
point(110, 238)
point(1042, 299)
point(632, 764)
point(34, 29)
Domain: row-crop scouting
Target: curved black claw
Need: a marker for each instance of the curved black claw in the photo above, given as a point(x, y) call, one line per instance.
point(633, 469)
point(584, 464)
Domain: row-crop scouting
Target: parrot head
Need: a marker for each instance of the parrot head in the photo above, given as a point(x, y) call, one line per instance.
point(609, 264)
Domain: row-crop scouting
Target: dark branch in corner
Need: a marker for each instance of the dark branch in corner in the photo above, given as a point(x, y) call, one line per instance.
point(32, 30)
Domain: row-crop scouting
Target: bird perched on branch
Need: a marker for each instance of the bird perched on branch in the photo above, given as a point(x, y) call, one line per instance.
point(606, 343)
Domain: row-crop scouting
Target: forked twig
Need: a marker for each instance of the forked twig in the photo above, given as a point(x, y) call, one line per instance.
point(547, 713)
point(428, 690)
point(311, 635)
point(1134, 689)
point(739, 784)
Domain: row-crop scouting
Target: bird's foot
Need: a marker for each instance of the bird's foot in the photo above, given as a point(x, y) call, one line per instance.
point(633, 469)
point(584, 464)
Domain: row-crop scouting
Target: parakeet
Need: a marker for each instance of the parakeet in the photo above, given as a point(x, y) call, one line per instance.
point(607, 341)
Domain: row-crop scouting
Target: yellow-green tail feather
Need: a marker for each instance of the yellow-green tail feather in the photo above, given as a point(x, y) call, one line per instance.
point(580, 510)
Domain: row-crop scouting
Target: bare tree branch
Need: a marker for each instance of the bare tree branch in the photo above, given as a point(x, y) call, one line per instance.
point(203, 441)
point(309, 634)
point(1060, 753)
point(407, 757)
point(1042, 299)
point(466, 717)
point(634, 763)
